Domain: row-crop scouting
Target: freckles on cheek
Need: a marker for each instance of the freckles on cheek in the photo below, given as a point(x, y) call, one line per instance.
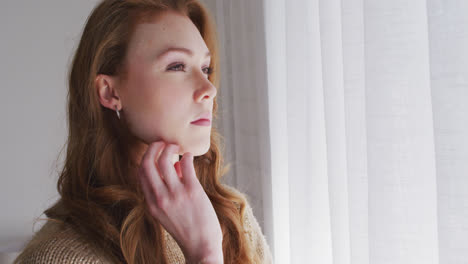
point(148, 91)
point(168, 92)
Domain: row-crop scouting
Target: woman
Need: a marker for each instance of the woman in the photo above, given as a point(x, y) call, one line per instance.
point(140, 183)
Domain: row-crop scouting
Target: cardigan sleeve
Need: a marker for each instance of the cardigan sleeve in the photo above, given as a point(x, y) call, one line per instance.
point(256, 236)
point(253, 229)
point(53, 244)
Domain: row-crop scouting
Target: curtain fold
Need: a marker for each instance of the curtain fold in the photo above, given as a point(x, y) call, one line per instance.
point(361, 125)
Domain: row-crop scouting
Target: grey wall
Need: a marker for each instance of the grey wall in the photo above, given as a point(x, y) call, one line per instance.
point(37, 40)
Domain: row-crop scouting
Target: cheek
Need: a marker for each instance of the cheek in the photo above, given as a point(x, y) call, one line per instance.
point(161, 97)
point(156, 110)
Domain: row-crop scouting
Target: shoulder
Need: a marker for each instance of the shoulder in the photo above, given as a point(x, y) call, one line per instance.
point(248, 213)
point(58, 243)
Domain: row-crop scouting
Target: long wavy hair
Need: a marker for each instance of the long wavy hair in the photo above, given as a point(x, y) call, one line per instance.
point(98, 198)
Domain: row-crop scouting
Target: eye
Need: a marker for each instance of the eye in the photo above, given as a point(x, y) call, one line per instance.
point(177, 67)
point(208, 70)
point(181, 67)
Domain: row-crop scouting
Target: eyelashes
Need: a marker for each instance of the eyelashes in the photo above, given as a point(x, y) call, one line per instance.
point(181, 67)
point(209, 70)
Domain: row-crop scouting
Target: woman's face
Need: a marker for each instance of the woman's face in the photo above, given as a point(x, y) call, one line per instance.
point(166, 89)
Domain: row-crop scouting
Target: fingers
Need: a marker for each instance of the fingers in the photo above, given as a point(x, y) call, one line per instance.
point(178, 170)
point(149, 195)
point(167, 168)
point(188, 170)
point(149, 173)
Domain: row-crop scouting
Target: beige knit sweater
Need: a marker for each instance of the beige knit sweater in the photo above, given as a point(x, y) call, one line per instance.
point(57, 243)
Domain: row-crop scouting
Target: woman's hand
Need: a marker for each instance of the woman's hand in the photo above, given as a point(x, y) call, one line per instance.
point(177, 200)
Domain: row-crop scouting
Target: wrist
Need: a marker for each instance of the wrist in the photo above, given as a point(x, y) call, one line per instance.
point(214, 259)
point(210, 257)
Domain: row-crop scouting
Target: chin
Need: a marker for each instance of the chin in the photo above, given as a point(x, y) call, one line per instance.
point(201, 150)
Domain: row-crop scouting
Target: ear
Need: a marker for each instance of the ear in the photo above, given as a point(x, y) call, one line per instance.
point(107, 93)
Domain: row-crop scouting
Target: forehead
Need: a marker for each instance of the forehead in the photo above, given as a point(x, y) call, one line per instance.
point(166, 29)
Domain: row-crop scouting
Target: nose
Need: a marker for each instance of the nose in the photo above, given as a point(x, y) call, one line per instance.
point(206, 90)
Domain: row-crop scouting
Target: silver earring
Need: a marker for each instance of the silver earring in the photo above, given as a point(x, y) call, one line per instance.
point(116, 110)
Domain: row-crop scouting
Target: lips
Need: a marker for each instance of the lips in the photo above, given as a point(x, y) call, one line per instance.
point(202, 122)
point(204, 116)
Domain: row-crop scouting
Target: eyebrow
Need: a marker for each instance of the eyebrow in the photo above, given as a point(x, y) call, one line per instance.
point(178, 49)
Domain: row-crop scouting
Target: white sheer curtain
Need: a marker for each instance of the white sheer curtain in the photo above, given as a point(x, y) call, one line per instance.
point(347, 123)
